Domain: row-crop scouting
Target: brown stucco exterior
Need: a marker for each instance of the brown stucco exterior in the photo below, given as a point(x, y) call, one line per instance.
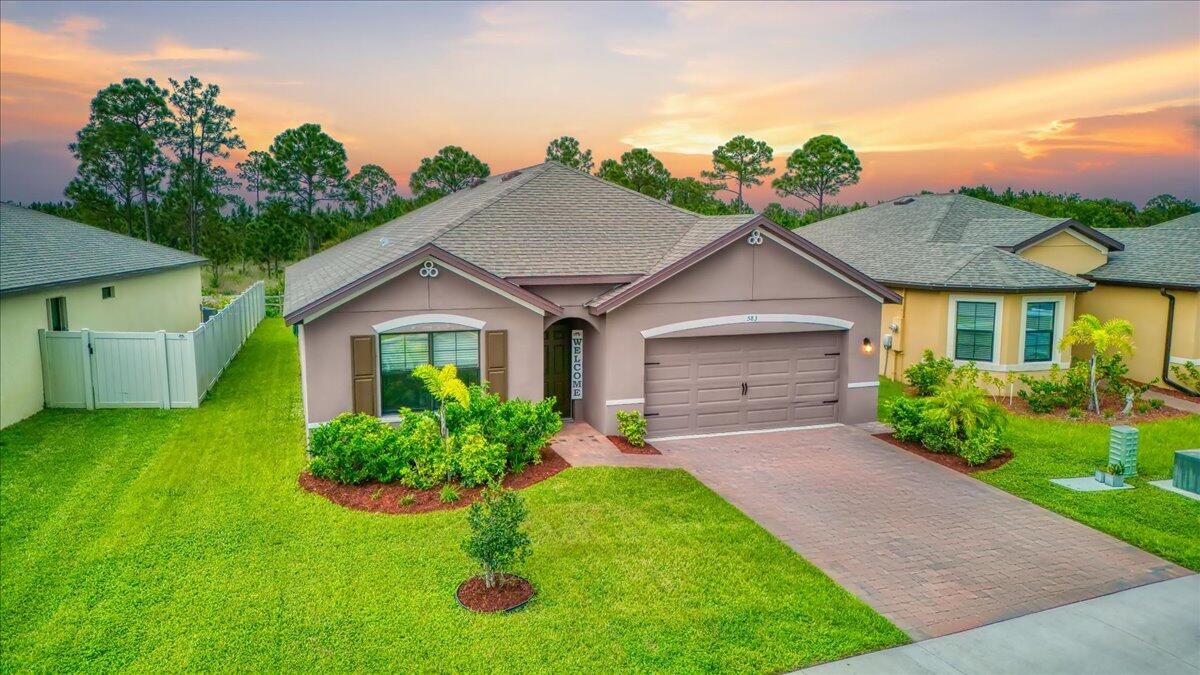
point(740, 283)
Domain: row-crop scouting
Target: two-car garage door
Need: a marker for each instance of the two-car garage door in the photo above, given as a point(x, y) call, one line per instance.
point(701, 385)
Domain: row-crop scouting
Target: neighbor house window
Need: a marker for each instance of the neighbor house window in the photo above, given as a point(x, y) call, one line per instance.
point(56, 313)
point(1039, 331)
point(974, 331)
point(108, 292)
point(401, 353)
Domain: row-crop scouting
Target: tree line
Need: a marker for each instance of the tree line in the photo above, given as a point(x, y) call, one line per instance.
point(149, 165)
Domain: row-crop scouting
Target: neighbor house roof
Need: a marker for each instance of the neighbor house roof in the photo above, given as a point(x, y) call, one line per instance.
point(1164, 255)
point(38, 250)
point(544, 221)
point(949, 241)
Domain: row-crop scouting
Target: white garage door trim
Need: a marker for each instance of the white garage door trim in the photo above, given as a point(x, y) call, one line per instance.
point(745, 433)
point(746, 318)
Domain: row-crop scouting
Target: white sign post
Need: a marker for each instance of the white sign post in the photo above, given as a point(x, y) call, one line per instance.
point(576, 365)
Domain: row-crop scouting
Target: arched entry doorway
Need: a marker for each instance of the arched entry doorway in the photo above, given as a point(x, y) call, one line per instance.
point(560, 362)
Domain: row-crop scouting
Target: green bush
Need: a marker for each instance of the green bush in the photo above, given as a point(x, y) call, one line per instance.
point(980, 447)
point(351, 447)
point(423, 461)
point(1188, 375)
point(904, 414)
point(632, 427)
point(937, 436)
point(496, 541)
point(448, 494)
point(476, 460)
point(522, 427)
point(1058, 389)
point(959, 420)
point(929, 373)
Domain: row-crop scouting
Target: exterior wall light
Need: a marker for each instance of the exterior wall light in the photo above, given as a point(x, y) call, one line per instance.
point(867, 347)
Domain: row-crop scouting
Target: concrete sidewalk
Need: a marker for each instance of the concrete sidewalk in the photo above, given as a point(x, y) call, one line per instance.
point(1149, 629)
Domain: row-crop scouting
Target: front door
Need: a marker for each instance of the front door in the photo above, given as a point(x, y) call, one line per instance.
point(558, 367)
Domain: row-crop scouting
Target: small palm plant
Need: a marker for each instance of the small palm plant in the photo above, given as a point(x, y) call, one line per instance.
point(443, 385)
point(1113, 335)
point(965, 410)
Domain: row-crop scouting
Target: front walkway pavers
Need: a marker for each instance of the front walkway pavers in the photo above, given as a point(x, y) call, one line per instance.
point(934, 550)
point(1146, 630)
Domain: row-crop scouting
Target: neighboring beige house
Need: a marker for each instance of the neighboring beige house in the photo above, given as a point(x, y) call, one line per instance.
point(547, 281)
point(998, 286)
point(56, 274)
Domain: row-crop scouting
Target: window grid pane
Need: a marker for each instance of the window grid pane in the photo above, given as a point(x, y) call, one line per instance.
point(1039, 331)
point(974, 323)
point(401, 353)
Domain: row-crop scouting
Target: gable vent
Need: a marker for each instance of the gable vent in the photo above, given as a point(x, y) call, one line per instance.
point(902, 202)
point(509, 176)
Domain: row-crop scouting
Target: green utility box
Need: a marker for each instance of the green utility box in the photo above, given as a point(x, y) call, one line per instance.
point(1122, 448)
point(1186, 473)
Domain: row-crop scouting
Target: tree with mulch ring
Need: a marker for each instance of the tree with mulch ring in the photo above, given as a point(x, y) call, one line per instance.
point(496, 543)
point(948, 459)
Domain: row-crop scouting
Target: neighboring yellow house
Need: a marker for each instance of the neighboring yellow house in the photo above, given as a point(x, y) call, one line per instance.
point(57, 274)
point(997, 286)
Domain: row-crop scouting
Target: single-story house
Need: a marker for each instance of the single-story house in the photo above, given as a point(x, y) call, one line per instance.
point(998, 286)
point(547, 281)
point(57, 274)
point(1155, 283)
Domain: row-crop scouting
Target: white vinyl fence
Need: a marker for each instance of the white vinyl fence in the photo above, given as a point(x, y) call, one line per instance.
point(100, 369)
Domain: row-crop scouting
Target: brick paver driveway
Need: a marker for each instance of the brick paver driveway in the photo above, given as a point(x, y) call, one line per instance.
point(933, 550)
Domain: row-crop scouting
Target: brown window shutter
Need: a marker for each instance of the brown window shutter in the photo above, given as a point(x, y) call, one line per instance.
point(496, 346)
point(362, 373)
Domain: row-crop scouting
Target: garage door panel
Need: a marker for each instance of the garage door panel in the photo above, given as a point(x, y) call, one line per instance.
point(694, 385)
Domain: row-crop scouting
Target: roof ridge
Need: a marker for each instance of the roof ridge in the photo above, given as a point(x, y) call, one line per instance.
point(629, 190)
point(535, 170)
point(968, 261)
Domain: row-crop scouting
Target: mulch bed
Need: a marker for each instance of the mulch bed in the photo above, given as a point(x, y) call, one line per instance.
point(386, 497)
point(510, 592)
point(945, 459)
point(625, 447)
point(1175, 393)
point(1108, 402)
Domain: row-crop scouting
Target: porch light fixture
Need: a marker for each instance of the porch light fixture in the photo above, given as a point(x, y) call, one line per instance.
point(867, 347)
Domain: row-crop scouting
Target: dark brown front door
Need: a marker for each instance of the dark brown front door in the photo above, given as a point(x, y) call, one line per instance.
point(558, 367)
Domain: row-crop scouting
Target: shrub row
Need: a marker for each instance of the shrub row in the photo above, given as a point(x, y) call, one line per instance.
point(958, 420)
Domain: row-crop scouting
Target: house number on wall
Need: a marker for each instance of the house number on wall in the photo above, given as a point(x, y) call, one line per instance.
point(576, 365)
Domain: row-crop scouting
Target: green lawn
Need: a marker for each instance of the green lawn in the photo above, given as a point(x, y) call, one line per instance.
point(169, 540)
point(1158, 521)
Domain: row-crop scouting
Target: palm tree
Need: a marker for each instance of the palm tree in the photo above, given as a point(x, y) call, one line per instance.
point(965, 409)
point(1112, 335)
point(443, 385)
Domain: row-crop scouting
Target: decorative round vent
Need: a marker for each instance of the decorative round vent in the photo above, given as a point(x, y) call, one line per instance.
point(428, 269)
point(755, 238)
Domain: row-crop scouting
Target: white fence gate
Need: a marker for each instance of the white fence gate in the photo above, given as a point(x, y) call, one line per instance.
point(99, 369)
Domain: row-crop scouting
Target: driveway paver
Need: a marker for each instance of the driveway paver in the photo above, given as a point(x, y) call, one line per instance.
point(934, 550)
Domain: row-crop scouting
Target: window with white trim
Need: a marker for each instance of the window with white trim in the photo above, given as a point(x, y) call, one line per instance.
point(1039, 331)
point(975, 330)
point(401, 353)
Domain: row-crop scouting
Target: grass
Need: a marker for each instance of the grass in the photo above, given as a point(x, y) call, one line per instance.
point(1158, 521)
point(179, 540)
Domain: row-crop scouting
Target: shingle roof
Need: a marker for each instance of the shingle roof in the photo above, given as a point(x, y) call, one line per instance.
point(538, 221)
point(1167, 254)
point(942, 241)
point(38, 250)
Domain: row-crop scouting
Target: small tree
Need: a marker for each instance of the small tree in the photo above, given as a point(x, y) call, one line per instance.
point(742, 160)
point(818, 170)
point(443, 385)
point(497, 541)
point(1114, 335)
point(450, 170)
point(566, 151)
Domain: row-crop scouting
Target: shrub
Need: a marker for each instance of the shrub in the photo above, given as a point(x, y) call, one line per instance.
point(904, 414)
point(422, 461)
point(632, 426)
point(1188, 375)
point(522, 427)
point(980, 447)
point(1155, 404)
point(929, 373)
point(1058, 389)
point(1074, 413)
point(408, 500)
point(448, 494)
point(351, 447)
point(496, 541)
point(936, 435)
point(476, 460)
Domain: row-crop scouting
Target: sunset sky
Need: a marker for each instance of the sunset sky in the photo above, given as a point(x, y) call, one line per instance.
point(1097, 98)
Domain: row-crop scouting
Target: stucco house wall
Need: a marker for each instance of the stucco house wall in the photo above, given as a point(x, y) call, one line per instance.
point(1146, 308)
point(1068, 252)
point(168, 300)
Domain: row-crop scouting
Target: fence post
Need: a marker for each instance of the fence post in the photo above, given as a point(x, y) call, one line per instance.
point(160, 338)
point(85, 346)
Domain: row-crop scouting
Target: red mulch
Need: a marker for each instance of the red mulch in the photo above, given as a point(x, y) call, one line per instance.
point(946, 459)
point(1108, 403)
point(629, 449)
point(1177, 394)
point(379, 497)
point(509, 592)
